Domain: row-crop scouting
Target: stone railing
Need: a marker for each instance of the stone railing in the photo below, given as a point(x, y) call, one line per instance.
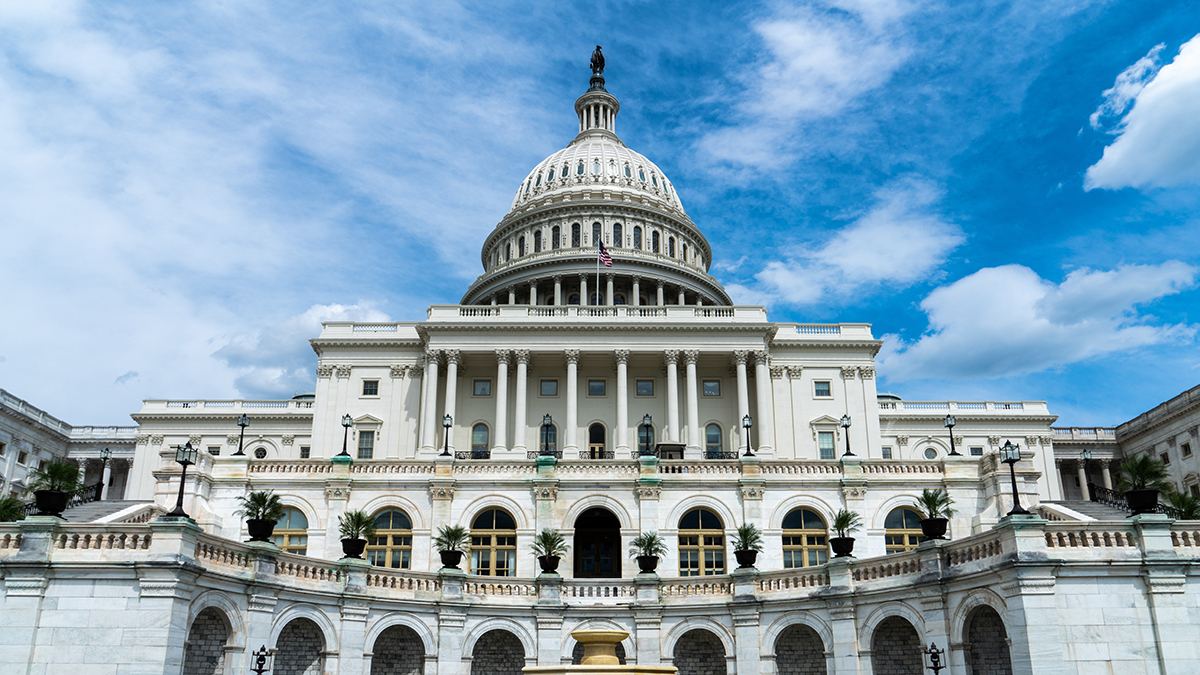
point(598, 591)
point(1186, 535)
point(718, 587)
point(790, 581)
point(1075, 540)
point(939, 407)
point(573, 313)
point(391, 466)
point(292, 466)
point(224, 406)
point(884, 466)
point(895, 565)
point(699, 467)
point(501, 588)
point(403, 581)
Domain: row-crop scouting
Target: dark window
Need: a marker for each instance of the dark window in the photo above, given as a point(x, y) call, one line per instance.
point(550, 176)
point(575, 236)
point(305, 452)
point(887, 452)
point(596, 387)
point(825, 444)
point(712, 438)
point(214, 450)
point(366, 444)
point(370, 388)
point(555, 237)
point(508, 252)
point(977, 452)
point(671, 247)
point(260, 453)
point(821, 389)
point(712, 387)
point(549, 387)
point(1185, 449)
point(479, 439)
point(637, 237)
point(654, 242)
point(930, 453)
point(1165, 458)
point(628, 173)
point(521, 245)
point(537, 242)
point(618, 236)
point(579, 169)
point(645, 387)
point(483, 387)
point(595, 234)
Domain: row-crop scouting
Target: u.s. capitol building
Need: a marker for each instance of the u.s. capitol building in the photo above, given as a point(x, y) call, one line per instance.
point(602, 402)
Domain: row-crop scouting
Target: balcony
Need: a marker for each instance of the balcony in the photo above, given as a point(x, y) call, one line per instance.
point(968, 407)
point(302, 406)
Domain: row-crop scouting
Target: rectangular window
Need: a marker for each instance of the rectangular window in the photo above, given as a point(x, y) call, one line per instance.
point(1195, 490)
point(1185, 450)
point(1166, 459)
point(887, 452)
point(822, 388)
point(977, 452)
point(825, 444)
point(305, 452)
point(483, 387)
point(1, 449)
point(549, 387)
point(646, 388)
point(214, 450)
point(370, 388)
point(712, 387)
point(596, 387)
point(366, 444)
point(22, 457)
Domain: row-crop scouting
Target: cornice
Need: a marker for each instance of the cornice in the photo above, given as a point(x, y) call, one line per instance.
point(194, 413)
point(961, 417)
point(873, 345)
point(445, 327)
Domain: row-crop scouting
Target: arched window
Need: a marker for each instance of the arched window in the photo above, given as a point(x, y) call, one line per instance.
point(637, 237)
point(537, 241)
point(683, 249)
point(618, 236)
point(550, 176)
point(618, 298)
point(701, 544)
point(902, 530)
point(392, 544)
point(595, 234)
point(628, 173)
point(641, 174)
point(573, 299)
point(575, 235)
point(595, 167)
point(555, 237)
point(479, 441)
point(508, 252)
point(538, 181)
point(671, 247)
point(596, 444)
point(579, 169)
point(654, 242)
point(712, 441)
point(291, 532)
point(494, 544)
point(521, 245)
point(804, 539)
point(654, 178)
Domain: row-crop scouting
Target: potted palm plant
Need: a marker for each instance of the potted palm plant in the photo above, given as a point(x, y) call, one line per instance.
point(549, 546)
point(647, 548)
point(450, 542)
point(356, 527)
point(1142, 478)
point(53, 485)
point(12, 509)
point(935, 511)
point(845, 523)
point(261, 509)
point(747, 542)
point(1185, 506)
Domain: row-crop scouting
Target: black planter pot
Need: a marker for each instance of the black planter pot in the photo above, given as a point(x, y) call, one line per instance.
point(934, 528)
point(260, 529)
point(647, 563)
point(353, 548)
point(745, 558)
point(1139, 501)
point(549, 563)
point(51, 502)
point(450, 559)
point(842, 546)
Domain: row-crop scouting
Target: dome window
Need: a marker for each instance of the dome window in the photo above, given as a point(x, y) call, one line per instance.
point(555, 237)
point(573, 299)
point(595, 233)
point(537, 241)
point(654, 179)
point(550, 176)
point(508, 253)
point(637, 237)
point(596, 167)
point(538, 181)
point(654, 242)
point(628, 172)
point(521, 246)
point(618, 236)
point(685, 253)
point(579, 169)
point(575, 234)
point(671, 247)
point(642, 175)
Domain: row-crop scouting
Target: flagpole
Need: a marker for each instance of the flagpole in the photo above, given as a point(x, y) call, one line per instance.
point(598, 245)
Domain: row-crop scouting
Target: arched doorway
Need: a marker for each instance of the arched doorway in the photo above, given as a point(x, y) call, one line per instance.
point(799, 651)
point(497, 652)
point(398, 651)
point(596, 441)
point(597, 545)
point(577, 654)
point(699, 652)
point(987, 643)
point(896, 648)
point(206, 640)
point(298, 649)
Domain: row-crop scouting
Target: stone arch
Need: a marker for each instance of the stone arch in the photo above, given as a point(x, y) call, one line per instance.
point(771, 635)
point(699, 651)
point(569, 643)
point(305, 611)
point(397, 650)
point(987, 643)
point(881, 513)
point(973, 600)
point(222, 602)
point(883, 612)
point(495, 501)
point(728, 519)
point(672, 637)
point(528, 643)
point(896, 647)
point(775, 522)
point(498, 652)
point(799, 650)
point(398, 619)
point(414, 512)
point(208, 635)
point(597, 500)
point(299, 648)
point(304, 506)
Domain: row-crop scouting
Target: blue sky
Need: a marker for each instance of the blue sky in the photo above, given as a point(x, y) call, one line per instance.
point(1008, 191)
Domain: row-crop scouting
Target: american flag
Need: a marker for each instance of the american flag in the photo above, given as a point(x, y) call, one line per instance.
point(604, 256)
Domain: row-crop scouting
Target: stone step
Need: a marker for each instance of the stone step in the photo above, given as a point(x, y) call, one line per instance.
point(93, 511)
point(1094, 509)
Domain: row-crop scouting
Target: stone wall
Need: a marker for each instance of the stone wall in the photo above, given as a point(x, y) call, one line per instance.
point(498, 652)
point(987, 644)
point(299, 649)
point(699, 652)
point(896, 648)
point(799, 651)
point(398, 651)
point(205, 653)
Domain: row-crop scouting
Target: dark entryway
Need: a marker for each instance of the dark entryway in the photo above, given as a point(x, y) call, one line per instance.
point(596, 443)
point(597, 545)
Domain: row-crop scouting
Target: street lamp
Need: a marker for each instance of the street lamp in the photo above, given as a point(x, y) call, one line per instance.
point(647, 436)
point(243, 421)
point(447, 422)
point(846, 432)
point(934, 660)
point(950, 426)
point(1011, 454)
point(347, 422)
point(260, 660)
point(105, 455)
point(747, 422)
point(547, 425)
point(185, 455)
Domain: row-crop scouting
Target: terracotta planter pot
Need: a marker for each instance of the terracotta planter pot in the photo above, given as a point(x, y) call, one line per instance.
point(1139, 501)
point(51, 502)
point(260, 529)
point(934, 528)
point(647, 563)
point(353, 548)
point(842, 546)
point(450, 559)
point(745, 559)
point(549, 563)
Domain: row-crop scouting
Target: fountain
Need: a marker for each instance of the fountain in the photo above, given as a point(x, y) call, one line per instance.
point(600, 657)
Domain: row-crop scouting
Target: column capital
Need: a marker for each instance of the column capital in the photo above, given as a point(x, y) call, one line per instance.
point(416, 369)
point(866, 372)
point(522, 356)
point(762, 357)
point(671, 356)
point(690, 356)
point(637, 278)
point(558, 278)
point(533, 283)
point(572, 355)
point(622, 355)
point(609, 276)
point(583, 277)
point(849, 372)
point(453, 356)
point(399, 371)
point(324, 370)
point(661, 284)
point(433, 356)
point(502, 356)
point(739, 357)
point(777, 372)
point(343, 371)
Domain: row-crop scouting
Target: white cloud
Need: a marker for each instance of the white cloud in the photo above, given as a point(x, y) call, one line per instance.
point(1003, 321)
point(1125, 90)
point(1159, 141)
point(899, 242)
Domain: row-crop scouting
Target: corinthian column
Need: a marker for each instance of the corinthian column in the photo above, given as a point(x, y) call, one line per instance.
point(693, 403)
point(622, 401)
point(452, 356)
point(501, 434)
point(519, 422)
point(571, 449)
point(743, 392)
point(766, 411)
point(671, 357)
point(429, 424)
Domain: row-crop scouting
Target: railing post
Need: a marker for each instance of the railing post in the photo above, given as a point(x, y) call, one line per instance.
point(648, 619)
point(840, 603)
point(549, 611)
point(452, 614)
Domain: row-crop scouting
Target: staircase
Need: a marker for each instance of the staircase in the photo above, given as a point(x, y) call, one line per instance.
point(1094, 509)
point(93, 511)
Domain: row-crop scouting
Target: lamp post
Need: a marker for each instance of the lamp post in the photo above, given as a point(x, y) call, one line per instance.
point(1011, 454)
point(933, 658)
point(185, 455)
point(347, 422)
point(747, 422)
point(950, 426)
point(260, 660)
point(447, 422)
point(547, 425)
point(846, 433)
point(243, 421)
point(105, 455)
point(648, 435)
point(1085, 482)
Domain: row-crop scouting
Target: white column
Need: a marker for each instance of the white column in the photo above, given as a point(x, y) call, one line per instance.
point(693, 400)
point(452, 356)
point(583, 294)
point(499, 432)
point(572, 447)
point(394, 433)
point(743, 394)
point(609, 290)
point(661, 300)
point(637, 294)
point(765, 424)
point(622, 402)
point(519, 421)
point(557, 290)
point(1106, 474)
point(106, 474)
point(533, 292)
point(1083, 486)
point(429, 423)
point(672, 358)
point(682, 301)
point(512, 295)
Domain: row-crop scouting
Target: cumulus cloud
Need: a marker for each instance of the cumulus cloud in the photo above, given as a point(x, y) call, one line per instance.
point(900, 241)
point(1003, 321)
point(1158, 144)
point(277, 362)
